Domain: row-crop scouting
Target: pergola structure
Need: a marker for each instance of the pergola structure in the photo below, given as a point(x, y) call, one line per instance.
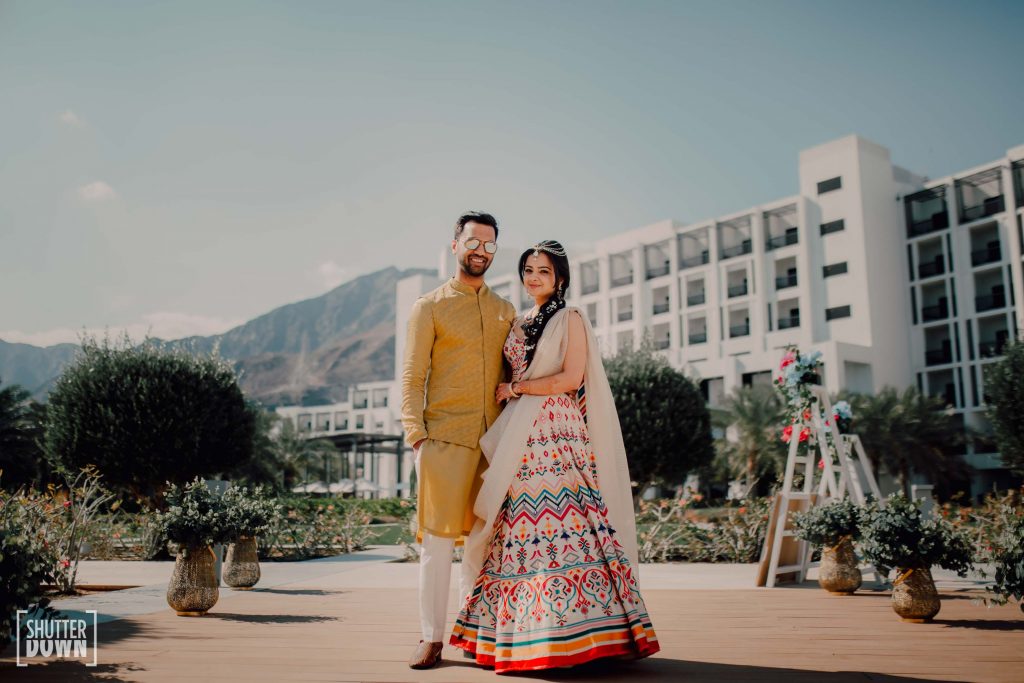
point(360, 458)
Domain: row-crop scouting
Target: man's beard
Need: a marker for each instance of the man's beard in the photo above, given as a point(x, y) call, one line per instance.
point(470, 269)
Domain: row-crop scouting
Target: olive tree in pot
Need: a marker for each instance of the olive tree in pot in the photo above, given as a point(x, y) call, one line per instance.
point(896, 535)
point(247, 514)
point(194, 521)
point(833, 527)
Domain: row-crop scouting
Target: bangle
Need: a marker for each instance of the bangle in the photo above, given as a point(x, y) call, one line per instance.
point(512, 390)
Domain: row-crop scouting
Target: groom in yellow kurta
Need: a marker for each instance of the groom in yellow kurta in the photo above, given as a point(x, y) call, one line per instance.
point(453, 364)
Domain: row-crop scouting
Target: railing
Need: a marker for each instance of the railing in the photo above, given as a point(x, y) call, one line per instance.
point(989, 301)
point(987, 255)
point(659, 271)
point(660, 308)
point(744, 247)
point(930, 268)
point(693, 261)
point(991, 349)
point(662, 344)
point(990, 206)
point(737, 290)
point(938, 221)
point(784, 281)
point(790, 322)
point(739, 330)
point(936, 312)
point(938, 356)
point(622, 280)
point(699, 338)
point(623, 316)
point(695, 299)
point(589, 288)
point(782, 240)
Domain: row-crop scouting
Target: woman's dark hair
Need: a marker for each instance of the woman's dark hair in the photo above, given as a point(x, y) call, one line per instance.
point(535, 328)
point(475, 217)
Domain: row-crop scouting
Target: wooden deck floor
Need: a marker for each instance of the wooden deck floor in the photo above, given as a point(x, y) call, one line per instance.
point(311, 633)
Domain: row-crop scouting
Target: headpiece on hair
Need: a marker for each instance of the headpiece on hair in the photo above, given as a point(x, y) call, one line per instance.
point(550, 247)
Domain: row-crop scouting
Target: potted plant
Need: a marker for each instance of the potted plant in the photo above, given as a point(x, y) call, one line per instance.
point(833, 527)
point(247, 514)
point(896, 535)
point(194, 520)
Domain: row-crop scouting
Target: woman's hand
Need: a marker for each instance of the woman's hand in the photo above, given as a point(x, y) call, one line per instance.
point(503, 392)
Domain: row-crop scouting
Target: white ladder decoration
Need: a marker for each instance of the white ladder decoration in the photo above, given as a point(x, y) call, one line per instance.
point(853, 470)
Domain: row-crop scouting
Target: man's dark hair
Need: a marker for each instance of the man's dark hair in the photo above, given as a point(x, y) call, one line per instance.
point(475, 217)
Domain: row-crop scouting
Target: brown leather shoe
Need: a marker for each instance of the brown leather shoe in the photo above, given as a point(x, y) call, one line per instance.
point(426, 655)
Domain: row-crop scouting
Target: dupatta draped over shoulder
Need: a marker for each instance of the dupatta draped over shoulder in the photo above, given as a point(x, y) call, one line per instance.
point(504, 443)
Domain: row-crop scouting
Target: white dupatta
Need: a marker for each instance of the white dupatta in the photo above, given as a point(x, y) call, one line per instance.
point(504, 442)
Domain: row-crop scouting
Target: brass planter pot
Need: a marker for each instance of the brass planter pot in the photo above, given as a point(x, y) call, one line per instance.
point(193, 587)
point(839, 573)
point(914, 597)
point(241, 569)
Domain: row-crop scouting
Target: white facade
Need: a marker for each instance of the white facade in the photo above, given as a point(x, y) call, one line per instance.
point(864, 264)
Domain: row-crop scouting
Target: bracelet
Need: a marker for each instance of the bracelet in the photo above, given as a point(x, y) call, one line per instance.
point(512, 390)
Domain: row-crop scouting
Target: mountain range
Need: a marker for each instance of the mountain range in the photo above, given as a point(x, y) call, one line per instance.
point(302, 353)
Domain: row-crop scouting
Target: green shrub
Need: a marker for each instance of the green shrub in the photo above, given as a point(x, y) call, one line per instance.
point(897, 535)
point(195, 516)
point(248, 512)
point(827, 525)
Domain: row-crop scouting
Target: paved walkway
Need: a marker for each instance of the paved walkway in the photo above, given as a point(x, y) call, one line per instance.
point(354, 619)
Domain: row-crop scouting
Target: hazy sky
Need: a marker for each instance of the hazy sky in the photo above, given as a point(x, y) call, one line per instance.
point(183, 167)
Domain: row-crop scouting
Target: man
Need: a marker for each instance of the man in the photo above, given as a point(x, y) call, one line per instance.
point(453, 364)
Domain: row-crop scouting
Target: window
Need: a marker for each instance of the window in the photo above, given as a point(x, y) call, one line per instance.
point(592, 313)
point(621, 266)
point(323, 422)
point(834, 269)
point(360, 398)
point(305, 422)
point(340, 422)
point(832, 226)
point(380, 398)
point(360, 421)
point(590, 277)
point(837, 312)
point(830, 185)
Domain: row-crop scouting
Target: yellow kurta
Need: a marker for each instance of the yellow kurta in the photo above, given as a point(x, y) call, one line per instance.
point(453, 364)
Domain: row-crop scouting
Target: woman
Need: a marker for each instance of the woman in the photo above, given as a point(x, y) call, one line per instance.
point(553, 553)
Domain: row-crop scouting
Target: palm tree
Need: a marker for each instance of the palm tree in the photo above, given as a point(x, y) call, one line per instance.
point(909, 432)
point(296, 451)
point(756, 414)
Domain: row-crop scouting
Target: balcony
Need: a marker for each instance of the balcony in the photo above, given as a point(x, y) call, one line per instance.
point(932, 268)
point(991, 349)
point(785, 281)
point(739, 330)
point(988, 207)
point(658, 309)
point(737, 290)
point(698, 338)
point(939, 311)
point(926, 212)
point(938, 356)
point(695, 299)
point(589, 288)
point(990, 254)
point(789, 323)
point(624, 316)
point(744, 247)
point(988, 302)
point(785, 240)
point(662, 344)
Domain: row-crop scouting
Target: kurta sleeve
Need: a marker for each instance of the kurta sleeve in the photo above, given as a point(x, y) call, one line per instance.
point(418, 345)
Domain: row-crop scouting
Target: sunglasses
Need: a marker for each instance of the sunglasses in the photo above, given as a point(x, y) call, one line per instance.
point(472, 243)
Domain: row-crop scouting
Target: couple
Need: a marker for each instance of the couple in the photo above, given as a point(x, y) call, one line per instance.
point(540, 491)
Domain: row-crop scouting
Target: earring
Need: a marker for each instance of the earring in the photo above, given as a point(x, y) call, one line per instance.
point(560, 286)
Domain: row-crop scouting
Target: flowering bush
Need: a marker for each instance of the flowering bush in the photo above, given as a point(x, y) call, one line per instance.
point(997, 529)
point(796, 373)
point(248, 513)
point(27, 560)
point(667, 534)
point(827, 525)
point(195, 516)
point(897, 535)
point(306, 530)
